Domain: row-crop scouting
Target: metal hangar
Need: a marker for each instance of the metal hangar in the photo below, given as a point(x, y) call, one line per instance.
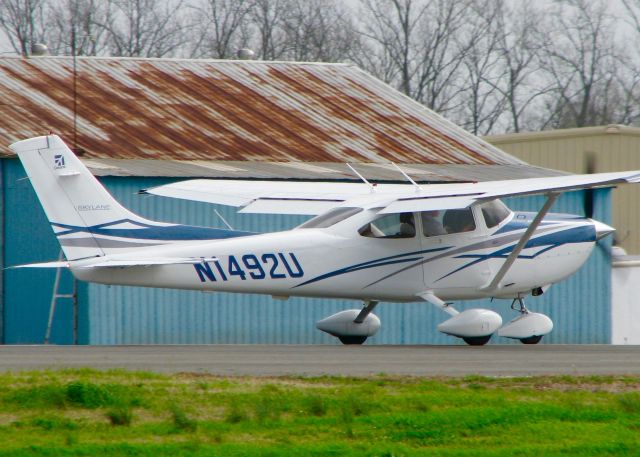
point(138, 123)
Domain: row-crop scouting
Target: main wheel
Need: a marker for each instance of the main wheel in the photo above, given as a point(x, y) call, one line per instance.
point(477, 340)
point(352, 339)
point(531, 340)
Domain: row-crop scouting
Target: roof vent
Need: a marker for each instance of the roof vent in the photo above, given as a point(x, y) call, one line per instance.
point(245, 54)
point(39, 49)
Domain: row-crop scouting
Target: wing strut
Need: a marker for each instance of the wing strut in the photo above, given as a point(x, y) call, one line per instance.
point(551, 198)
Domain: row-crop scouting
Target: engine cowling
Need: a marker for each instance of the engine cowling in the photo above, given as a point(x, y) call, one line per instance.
point(341, 324)
point(472, 323)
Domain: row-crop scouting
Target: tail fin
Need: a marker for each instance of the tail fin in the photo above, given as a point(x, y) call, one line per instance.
point(84, 216)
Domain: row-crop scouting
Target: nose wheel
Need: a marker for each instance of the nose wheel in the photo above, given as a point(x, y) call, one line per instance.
point(531, 340)
point(518, 305)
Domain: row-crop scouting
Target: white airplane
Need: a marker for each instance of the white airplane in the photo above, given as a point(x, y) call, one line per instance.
point(387, 242)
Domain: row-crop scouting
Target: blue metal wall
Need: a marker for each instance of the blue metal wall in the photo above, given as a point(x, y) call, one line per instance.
point(580, 306)
point(27, 292)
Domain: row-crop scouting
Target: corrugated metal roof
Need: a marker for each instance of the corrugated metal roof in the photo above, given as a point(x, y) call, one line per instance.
point(167, 109)
point(310, 171)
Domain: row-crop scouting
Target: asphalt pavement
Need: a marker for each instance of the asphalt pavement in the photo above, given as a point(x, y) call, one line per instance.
point(315, 360)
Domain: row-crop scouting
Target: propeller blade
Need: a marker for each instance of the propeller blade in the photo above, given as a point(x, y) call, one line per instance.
point(590, 168)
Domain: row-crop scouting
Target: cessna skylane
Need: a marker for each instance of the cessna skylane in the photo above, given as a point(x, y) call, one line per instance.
point(388, 242)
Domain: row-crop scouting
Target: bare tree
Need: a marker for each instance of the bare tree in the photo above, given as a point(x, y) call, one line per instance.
point(483, 106)
point(518, 83)
point(22, 22)
point(393, 25)
point(220, 28)
point(420, 47)
point(268, 19)
point(75, 27)
point(580, 58)
point(319, 30)
point(146, 28)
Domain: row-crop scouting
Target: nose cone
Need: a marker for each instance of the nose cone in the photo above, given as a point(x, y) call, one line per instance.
point(602, 229)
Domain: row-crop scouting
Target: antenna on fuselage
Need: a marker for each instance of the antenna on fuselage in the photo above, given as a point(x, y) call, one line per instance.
point(371, 186)
point(223, 219)
point(417, 186)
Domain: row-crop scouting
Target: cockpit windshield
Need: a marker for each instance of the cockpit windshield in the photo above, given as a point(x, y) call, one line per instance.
point(331, 217)
point(494, 212)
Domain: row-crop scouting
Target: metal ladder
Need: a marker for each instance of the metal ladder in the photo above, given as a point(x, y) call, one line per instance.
point(54, 299)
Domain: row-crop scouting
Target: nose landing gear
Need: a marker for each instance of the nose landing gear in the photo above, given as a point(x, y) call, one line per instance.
point(528, 327)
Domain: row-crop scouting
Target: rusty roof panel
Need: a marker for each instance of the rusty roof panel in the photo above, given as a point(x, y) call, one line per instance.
point(214, 110)
point(310, 171)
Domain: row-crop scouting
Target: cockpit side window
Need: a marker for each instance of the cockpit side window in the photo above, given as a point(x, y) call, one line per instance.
point(400, 225)
point(458, 220)
point(331, 217)
point(432, 223)
point(494, 212)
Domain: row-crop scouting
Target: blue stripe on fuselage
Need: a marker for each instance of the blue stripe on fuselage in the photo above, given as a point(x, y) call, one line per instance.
point(521, 221)
point(395, 259)
point(153, 232)
point(581, 234)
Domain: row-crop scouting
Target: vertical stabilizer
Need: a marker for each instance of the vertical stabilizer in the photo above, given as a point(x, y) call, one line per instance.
point(76, 204)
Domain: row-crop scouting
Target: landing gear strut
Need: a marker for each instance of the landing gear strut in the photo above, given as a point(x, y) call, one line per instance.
point(520, 307)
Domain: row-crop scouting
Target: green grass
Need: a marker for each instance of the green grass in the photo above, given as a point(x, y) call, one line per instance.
point(84, 412)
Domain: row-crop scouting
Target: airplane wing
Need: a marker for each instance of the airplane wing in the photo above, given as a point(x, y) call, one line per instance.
point(272, 197)
point(275, 197)
point(489, 190)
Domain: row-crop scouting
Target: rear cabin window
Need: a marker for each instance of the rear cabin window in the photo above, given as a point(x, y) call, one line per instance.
point(331, 217)
point(400, 225)
point(494, 212)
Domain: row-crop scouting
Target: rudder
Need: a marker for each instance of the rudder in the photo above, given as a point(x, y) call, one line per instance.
point(75, 202)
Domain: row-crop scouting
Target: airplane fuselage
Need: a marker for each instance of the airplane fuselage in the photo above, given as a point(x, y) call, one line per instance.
point(303, 262)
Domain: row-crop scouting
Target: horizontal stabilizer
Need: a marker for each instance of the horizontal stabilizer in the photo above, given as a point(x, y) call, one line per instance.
point(55, 264)
point(121, 263)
